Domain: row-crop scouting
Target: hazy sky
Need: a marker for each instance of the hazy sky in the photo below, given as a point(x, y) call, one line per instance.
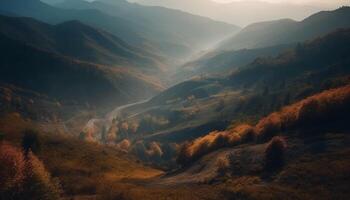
point(303, 2)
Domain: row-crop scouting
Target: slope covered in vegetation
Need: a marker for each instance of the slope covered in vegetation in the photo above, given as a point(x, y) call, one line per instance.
point(286, 31)
point(68, 79)
point(193, 108)
point(67, 159)
point(320, 111)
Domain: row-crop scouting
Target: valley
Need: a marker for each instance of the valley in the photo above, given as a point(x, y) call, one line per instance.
point(105, 100)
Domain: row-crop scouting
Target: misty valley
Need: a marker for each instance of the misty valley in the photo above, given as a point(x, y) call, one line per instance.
point(176, 100)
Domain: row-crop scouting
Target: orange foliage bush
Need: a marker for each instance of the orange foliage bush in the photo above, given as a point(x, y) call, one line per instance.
point(315, 110)
point(154, 150)
point(11, 167)
point(38, 182)
point(213, 141)
point(223, 166)
point(124, 145)
point(25, 177)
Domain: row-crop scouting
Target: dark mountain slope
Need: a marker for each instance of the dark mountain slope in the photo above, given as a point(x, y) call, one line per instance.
point(77, 40)
point(286, 31)
point(70, 80)
point(223, 62)
point(53, 15)
point(322, 55)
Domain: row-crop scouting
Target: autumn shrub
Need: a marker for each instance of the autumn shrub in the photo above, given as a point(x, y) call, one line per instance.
point(12, 166)
point(31, 141)
point(332, 104)
point(275, 153)
point(183, 156)
point(2, 136)
point(214, 141)
point(124, 145)
point(317, 111)
point(269, 126)
point(38, 183)
point(154, 152)
point(25, 178)
point(246, 133)
point(223, 167)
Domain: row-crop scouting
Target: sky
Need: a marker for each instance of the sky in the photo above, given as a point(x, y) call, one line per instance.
point(245, 12)
point(322, 3)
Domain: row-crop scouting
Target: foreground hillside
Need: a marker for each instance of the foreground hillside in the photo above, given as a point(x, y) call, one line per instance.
point(81, 168)
point(83, 114)
point(290, 151)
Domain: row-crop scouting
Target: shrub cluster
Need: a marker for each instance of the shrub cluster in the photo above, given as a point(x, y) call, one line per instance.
point(147, 151)
point(215, 140)
point(319, 109)
point(31, 141)
point(223, 166)
point(25, 177)
point(274, 153)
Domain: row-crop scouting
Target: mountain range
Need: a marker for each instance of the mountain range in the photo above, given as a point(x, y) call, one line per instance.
point(110, 99)
point(77, 40)
point(202, 105)
point(287, 31)
point(163, 31)
point(241, 13)
point(70, 80)
point(263, 39)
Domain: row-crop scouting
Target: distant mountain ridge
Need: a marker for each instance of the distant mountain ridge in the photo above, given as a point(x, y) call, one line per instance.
point(241, 13)
point(157, 39)
point(287, 31)
point(185, 32)
point(79, 41)
point(222, 62)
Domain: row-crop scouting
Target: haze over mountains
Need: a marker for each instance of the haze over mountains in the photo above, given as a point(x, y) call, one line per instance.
point(262, 40)
point(92, 45)
point(107, 99)
point(67, 79)
point(288, 31)
point(241, 13)
point(137, 25)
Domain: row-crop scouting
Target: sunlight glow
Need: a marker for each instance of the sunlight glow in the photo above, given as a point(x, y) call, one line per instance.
point(301, 2)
